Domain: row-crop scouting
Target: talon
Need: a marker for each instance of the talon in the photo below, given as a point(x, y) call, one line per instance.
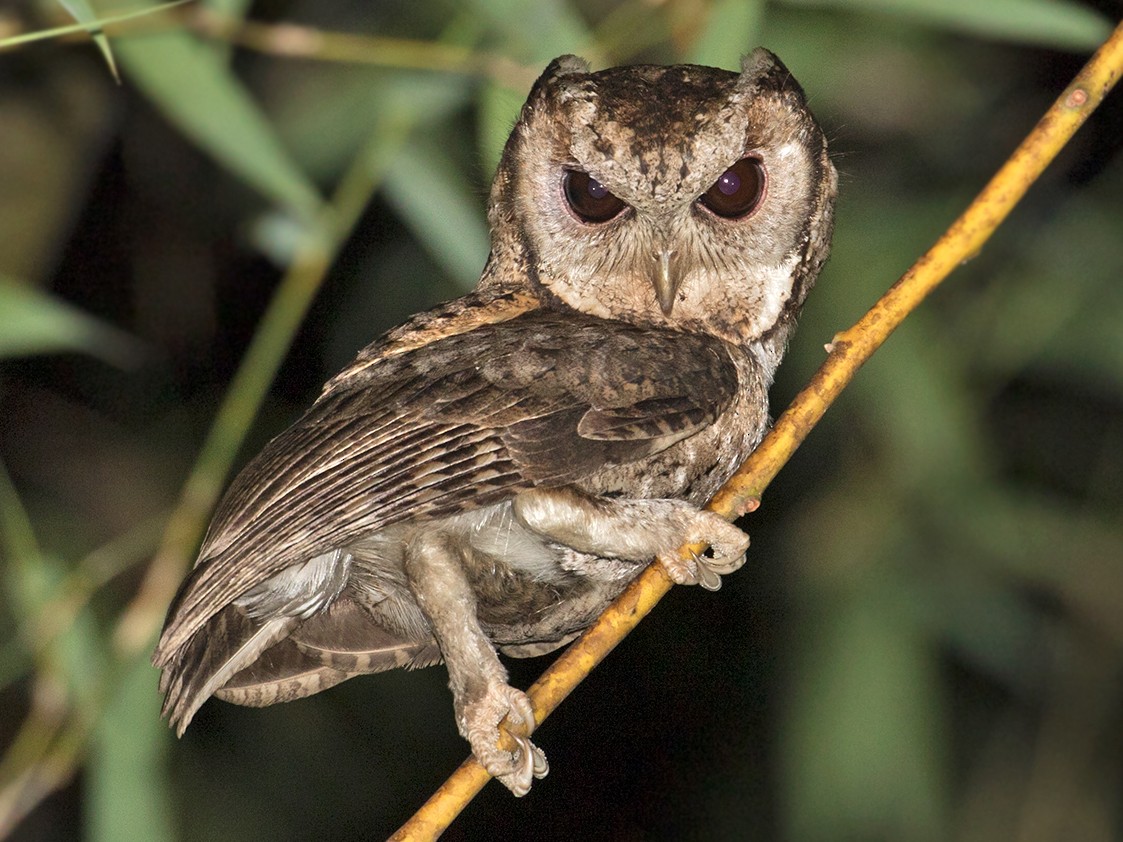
point(728, 545)
point(704, 573)
point(519, 780)
point(541, 767)
point(514, 769)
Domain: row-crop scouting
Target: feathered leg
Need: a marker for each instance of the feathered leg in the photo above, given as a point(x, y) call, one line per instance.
point(481, 696)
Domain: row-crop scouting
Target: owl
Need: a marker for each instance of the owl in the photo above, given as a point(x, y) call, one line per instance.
point(488, 476)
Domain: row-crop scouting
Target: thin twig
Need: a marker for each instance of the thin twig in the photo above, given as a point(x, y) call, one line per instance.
point(292, 40)
point(848, 352)
point(299, 41)
point(82, 29)
point(43, 756)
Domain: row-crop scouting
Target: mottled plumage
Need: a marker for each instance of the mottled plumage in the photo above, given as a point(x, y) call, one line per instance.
point(492, 473)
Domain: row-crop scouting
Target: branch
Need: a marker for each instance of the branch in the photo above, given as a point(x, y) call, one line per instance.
point(848, 352)
point(296, 41)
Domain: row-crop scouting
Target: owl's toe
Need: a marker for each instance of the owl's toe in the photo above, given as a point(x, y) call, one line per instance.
point(727, 547)
point(515, 769)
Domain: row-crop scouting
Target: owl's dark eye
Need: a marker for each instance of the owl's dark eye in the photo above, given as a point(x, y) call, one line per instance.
point(590, 199)
point(738, 191)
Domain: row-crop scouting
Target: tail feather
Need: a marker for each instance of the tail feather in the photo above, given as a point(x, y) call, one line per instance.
point(282, 674)
point(348, 638)
point(229, 643)
point(247, 662)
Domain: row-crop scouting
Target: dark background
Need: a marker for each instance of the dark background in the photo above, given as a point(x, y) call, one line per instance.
point(926, 641)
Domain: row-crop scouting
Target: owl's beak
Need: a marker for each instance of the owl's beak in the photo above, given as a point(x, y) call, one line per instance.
point(666, 281)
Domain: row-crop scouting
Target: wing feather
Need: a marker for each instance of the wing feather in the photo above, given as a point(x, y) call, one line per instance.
point(463, 422)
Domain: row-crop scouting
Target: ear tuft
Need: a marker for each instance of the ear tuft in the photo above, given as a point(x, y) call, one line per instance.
point(762, 71)
point(567, 65)
point(758, 63)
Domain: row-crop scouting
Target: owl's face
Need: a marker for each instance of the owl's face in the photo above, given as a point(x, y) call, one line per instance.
point(683, 196)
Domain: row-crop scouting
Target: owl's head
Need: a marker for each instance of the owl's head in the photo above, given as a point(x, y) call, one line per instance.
point(682, 196)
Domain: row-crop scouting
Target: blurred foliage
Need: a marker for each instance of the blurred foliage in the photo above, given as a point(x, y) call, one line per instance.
point(928, 643)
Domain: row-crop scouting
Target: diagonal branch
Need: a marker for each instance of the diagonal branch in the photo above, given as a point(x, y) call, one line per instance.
point(848, 352)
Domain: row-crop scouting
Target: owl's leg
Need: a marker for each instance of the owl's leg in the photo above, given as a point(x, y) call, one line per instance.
point(636, 530)
point(481, 696)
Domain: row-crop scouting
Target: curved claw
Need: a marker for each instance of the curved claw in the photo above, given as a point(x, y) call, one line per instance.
point(515, 768)
point(541, 766)
point(531, 763)
point(705, 574)
point(728, 544)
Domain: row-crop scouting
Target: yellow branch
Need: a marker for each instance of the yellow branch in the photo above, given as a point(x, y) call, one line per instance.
point(848, 353)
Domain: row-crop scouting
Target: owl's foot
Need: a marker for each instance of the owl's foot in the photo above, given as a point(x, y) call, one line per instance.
point(637, 530)
point(727, 545)
point(479, 723)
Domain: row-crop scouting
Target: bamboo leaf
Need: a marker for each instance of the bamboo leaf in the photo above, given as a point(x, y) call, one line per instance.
point(32, 322)
point(196, 90)
point(80, 10)
point(17, 536)
point(1057, 23)
point(864, 732)
point(542, 30)
point(498, 109)
point(453, 229)
point(236, 9)
point(732, 28)
point(126, 790)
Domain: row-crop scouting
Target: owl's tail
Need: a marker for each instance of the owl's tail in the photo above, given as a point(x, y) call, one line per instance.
point(260, 663)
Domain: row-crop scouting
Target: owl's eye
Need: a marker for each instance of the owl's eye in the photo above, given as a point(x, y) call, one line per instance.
point(738, 191)
point(590, 199)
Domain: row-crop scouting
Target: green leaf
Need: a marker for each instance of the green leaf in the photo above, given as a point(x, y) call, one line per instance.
point(539, 31)
point(864, 753)
point(126, 788)
point(731, 30)
point(192, 85)
point(236, 9)
point(80, 10)
point(334, 111)
point(1055, 23)
point(453, 229)
point(227, 11)
point(96, 23)
point(1053, 307)
point(32, 322)
point(498, 110)
point(17, 535)
point(31, 579)
point(19, 549)
point(630, 31)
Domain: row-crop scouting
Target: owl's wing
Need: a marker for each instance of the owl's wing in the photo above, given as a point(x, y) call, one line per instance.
point(463, 422)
